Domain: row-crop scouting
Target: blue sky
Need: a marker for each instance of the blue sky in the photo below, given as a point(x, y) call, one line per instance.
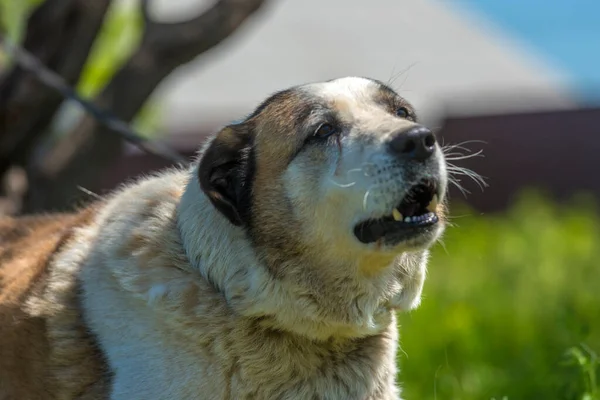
point(565, 33)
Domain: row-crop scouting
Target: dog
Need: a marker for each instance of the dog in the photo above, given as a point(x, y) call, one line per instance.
point(272, 268)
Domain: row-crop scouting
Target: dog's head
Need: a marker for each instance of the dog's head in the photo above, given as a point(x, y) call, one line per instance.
point(339, 170)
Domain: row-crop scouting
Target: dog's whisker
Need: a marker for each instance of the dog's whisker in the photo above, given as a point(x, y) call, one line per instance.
point(459, 156)
point(89, 192)
point(366, 198)
point(455, 150)
point(478, 179)
point(455, 146)
point(456, 183)
point(367, 167)
point(442, 243)
point(345, 185)
point(458, 216)
point(450, 153)
point(455, 169)
point(404, 72)
point(454, 154)
point(342, 185)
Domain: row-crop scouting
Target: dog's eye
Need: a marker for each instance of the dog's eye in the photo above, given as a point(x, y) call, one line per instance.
point(325, 130)
point(402, 112)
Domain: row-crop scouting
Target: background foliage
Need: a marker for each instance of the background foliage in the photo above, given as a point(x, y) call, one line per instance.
point(118, 38)
point(510, 307)
point(13, 14)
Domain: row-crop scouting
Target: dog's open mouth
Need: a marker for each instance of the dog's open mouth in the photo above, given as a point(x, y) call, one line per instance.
point(415, 212)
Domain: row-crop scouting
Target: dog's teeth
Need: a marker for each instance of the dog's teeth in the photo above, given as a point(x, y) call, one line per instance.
point(433, 203)
point(397, 215)
point(407, 219)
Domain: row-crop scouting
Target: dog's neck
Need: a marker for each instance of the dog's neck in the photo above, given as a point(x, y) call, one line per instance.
point(331, 307)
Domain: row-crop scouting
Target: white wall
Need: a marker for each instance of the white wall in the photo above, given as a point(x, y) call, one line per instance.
point(441, 57)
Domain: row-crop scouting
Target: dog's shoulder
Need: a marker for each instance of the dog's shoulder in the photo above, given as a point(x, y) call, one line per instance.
point(28, 247)
point(45, 341)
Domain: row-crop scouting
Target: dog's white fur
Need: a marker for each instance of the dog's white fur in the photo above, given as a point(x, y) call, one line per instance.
point(184, 307)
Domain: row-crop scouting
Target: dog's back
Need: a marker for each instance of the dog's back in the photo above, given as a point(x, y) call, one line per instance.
point(45, 351)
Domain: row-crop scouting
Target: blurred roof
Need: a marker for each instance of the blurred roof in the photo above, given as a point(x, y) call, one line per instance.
point(444, 57)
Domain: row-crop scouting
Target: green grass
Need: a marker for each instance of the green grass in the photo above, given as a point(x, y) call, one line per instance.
point(511, 308)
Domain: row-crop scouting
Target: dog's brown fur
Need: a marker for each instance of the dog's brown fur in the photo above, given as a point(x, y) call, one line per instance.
point(46, 351)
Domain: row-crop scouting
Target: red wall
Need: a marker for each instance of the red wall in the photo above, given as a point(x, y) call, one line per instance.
point(556, 151)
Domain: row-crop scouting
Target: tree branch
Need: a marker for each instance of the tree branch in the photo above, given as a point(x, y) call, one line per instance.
point(90, 148)
point(59, 33)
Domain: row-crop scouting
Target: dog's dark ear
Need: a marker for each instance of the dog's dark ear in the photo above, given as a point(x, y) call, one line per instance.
point(225, 172)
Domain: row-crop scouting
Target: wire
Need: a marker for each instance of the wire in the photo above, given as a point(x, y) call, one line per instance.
point(29, 62)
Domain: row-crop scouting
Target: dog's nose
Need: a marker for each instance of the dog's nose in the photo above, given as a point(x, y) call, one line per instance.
point(416, 143)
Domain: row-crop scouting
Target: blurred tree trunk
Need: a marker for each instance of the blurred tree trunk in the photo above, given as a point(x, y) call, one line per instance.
point(61, 33)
